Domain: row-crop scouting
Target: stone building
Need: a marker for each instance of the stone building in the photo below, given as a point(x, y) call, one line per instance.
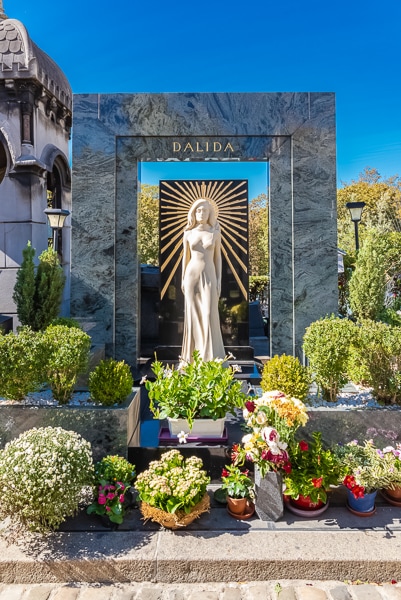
point(35, 122)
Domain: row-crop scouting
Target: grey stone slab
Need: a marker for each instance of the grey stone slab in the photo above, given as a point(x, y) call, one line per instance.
point(295, 132)
point(120, 422)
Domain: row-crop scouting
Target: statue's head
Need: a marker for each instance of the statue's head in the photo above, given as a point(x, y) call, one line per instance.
point(211, 213)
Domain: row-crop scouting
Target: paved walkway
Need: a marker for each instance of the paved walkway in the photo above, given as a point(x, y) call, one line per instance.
point(259, 590)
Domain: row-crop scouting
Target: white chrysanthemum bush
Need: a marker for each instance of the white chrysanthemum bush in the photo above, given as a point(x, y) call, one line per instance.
point(43, 476)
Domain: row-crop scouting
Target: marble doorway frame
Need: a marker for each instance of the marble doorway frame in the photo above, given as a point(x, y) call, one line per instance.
point(294, 132)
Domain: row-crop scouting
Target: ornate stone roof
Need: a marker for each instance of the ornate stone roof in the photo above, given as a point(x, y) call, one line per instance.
point(20, 58)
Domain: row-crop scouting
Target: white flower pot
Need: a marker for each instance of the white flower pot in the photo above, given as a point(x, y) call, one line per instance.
point(206, 428)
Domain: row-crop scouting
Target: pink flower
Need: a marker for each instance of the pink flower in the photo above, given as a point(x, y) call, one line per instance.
point(110, 496)
point(108, 508)
point(121, 498)
point(102, 499)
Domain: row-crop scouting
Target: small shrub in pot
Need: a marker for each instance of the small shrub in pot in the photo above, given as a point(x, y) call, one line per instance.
point(285, 373)
point(67, 356)
point(110, 382)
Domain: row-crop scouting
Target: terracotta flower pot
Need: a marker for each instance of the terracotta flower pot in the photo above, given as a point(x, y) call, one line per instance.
point(237, 506)
point(394, 493)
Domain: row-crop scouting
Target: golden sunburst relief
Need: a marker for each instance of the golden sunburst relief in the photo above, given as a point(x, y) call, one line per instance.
point(230, 201)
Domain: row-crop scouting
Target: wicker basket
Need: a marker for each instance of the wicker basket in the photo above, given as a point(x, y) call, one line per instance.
point(177, 519)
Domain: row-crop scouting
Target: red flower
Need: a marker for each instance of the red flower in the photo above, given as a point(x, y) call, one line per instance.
point(287, 467)
point(303, 446)
point(234, 452)
point(349, 481)
point(225, 473)
point(317, 482)
point(250, 406)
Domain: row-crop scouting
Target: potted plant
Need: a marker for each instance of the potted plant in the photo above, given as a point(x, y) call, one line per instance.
point(314, 470)
point(172, 490)
point(195, 395)
point(238, 487)
point(114, 476)
point(110, 382)
point(391, 464)
point(364, 475)
point(272, 421)
point(43, 477)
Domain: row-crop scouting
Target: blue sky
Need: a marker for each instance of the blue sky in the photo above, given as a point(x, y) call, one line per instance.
point(351, 48)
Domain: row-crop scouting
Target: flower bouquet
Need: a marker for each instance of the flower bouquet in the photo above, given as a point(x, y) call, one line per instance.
point(173, 490)
point(114, 476)
point(313, 470)
point(272, 421)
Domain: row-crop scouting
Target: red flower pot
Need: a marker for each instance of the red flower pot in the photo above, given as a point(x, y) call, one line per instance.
point(305, 503)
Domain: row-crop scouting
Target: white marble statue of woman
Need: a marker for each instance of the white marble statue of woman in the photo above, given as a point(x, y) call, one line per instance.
point(201, 283)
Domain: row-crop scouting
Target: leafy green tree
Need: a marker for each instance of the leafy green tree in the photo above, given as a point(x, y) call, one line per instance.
point(49, 282)
point(258, 239)
point(367, 287)
point(382, 211)
point(38, 295)
point(24, 289)
point(148, 232)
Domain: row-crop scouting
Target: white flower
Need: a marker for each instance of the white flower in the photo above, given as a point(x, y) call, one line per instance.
point(144, 378)
point(261, 418)
point(182, 437)
point(236, 368)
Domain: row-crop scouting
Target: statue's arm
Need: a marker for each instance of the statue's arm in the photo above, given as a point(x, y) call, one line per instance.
point(185, 258)
point(217, 260)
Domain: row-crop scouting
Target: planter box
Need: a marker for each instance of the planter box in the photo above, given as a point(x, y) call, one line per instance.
point(109, 429)
point(202, 428)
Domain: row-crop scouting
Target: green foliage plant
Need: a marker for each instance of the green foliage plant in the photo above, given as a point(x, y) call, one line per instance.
point(173, 482)
point(66, 321)
point(258, 287)
point(199, 389)
point(66, 351)
point(25, 287)
point(285, 373)
point(377, 353)
point(362, 466)
point(110, 382)
point(38, 294)
point(21, 360)
point(43, 476)
point(327, 345)
point(49, 280)
point(367, 286)
point(114, 476)
point(236, 483)
point(314, 469)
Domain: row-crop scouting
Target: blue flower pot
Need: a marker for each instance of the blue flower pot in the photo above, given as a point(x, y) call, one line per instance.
point(362, 505)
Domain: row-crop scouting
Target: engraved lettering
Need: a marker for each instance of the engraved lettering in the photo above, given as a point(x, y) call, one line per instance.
point(188, 147)
point(228, 147)
point(176, 146)
point(198, 147)
point(216, 147)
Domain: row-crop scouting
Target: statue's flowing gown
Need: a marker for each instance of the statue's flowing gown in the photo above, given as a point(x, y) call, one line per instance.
point(201, 319)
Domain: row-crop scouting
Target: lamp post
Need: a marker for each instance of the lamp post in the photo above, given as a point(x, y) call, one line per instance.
point(56, 217)
point(356, 208)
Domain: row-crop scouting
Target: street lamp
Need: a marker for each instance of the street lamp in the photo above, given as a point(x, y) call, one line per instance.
point(56, 217)
point(356, 208)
